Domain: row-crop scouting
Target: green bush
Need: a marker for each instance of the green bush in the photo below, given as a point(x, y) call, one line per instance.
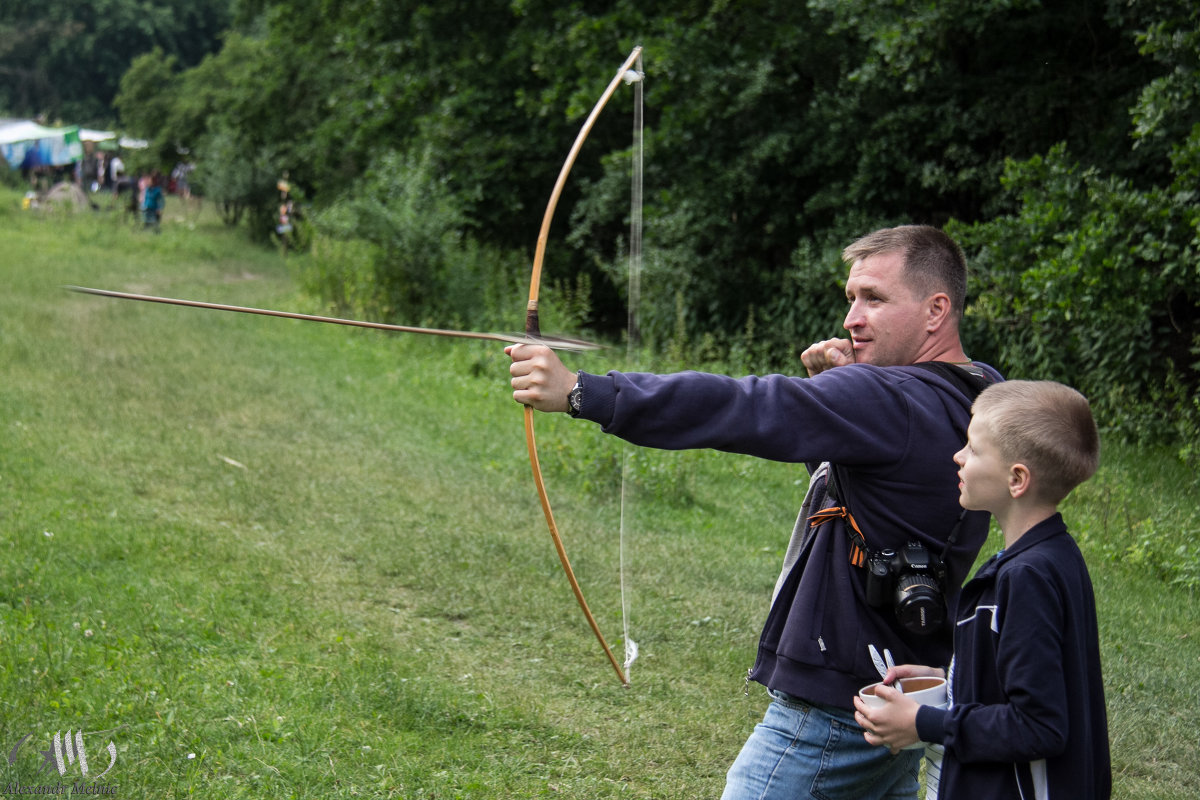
point(395, 249)
point(1092, 282)
point(1093, 277)
point(240, 182)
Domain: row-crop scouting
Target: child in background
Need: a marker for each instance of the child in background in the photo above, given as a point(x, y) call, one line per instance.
point(1027, 717)
point(153, 202)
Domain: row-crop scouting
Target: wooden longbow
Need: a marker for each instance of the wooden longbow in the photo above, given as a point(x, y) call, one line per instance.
point(625, 73)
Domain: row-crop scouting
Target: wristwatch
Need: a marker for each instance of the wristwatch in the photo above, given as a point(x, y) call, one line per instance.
point(575, 399)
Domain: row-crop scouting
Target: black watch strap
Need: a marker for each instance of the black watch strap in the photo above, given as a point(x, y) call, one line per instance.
point(575, 399)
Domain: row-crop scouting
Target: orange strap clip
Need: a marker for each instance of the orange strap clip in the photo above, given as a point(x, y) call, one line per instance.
point(858, 543)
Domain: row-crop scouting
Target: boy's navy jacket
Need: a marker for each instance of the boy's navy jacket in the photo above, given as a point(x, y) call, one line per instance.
point(893, 432)
point(1027, 716)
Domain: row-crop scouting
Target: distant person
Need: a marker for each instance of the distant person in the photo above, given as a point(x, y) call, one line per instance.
point(87, 175)
point(116, 172)
point(1026, 716)
point(283, 221)
point(153, 202)
point(180, 176)
point(101, 181)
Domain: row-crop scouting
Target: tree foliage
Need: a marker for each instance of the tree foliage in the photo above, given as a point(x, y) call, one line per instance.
point(1057, 138)
point(1094, 279)
point(62, 59)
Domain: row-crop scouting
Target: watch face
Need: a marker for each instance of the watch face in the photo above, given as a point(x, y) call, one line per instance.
point(575, 398)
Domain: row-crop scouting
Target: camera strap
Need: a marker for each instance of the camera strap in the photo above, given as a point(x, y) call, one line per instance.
point(858, 542)
point(967, 378)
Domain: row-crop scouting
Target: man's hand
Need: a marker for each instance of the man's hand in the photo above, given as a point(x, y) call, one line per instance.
point(827, 355)
point(539, 379)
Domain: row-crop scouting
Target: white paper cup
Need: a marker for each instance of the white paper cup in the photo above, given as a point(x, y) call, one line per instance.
point(926, 691)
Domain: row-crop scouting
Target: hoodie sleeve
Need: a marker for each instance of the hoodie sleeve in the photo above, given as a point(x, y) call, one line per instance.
point(848, 415)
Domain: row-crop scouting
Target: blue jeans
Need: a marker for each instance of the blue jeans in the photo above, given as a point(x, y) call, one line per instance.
point(804, 751)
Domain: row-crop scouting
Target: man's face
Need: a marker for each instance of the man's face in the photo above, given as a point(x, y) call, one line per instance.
point(887, 323)
point(982, 471)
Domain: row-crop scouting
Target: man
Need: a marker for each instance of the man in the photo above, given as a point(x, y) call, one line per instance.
point(884, 431)
point(116, 171)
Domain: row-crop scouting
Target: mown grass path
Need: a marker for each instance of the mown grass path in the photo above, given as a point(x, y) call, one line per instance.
point(267, 558)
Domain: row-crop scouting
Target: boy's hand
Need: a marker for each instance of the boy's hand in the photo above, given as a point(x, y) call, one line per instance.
point(539, 378)
point(894, 724)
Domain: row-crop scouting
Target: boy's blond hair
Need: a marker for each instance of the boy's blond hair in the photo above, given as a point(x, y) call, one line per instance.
point(1046, 426)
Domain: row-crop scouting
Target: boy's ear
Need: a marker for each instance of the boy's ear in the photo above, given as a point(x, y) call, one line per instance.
point(1020, 479)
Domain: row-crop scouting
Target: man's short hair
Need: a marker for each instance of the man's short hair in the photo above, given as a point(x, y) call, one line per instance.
point(933, 262)
point(1046, 426)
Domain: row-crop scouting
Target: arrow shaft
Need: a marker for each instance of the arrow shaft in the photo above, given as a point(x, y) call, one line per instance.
point(554, 342)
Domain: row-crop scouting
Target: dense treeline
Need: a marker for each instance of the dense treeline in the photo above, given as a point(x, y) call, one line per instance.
point(1058, 139)
point(61, 60)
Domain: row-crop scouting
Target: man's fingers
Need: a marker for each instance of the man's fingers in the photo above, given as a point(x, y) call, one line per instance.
point(828, 354)
point(539, 377)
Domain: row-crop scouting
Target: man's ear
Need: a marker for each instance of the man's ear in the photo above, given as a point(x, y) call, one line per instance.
point(1020, 480)
point(938, 310)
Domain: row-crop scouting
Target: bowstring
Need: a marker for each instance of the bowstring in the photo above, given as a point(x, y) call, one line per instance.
point(633, 339)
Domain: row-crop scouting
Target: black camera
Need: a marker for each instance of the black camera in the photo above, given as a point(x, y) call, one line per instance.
point(912, 581)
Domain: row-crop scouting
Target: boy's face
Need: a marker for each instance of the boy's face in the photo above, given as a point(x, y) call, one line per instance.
point(982, 472)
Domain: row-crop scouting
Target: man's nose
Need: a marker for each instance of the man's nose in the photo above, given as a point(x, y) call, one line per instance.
point(853, 318)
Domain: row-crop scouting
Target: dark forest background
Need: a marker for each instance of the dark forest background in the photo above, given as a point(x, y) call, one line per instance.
point(1059, 141)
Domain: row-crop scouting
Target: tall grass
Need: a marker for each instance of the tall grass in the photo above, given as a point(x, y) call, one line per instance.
point(270, 558)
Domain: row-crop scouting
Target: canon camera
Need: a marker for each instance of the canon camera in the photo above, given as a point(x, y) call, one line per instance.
point(912, 581)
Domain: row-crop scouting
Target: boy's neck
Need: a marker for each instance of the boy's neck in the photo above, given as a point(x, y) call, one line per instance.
point(1016, 520)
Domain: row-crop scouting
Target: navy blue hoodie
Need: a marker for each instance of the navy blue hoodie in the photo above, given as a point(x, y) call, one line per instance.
point(893, 432)
point(1027, 716)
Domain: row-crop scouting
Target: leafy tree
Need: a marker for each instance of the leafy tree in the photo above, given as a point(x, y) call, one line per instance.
point(63, 59)
point(776, 132)
point(1093, 279)
point(780, 131)
point(146, 100)
point(215, 112)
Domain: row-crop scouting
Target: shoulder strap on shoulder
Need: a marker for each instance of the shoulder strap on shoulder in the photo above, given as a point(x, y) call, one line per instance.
point(971, 380)
point(968, 378)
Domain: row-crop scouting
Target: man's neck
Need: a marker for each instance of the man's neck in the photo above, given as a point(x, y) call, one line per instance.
point(948, 349)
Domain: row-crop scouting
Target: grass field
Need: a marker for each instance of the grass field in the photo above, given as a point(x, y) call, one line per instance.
point(267, 558)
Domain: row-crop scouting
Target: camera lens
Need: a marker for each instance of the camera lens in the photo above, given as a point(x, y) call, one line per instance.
point(919, 603)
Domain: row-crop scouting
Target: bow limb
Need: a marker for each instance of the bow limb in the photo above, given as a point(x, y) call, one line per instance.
point(532, 328)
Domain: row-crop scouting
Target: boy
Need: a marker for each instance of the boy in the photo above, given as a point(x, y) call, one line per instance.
point(1026, 717)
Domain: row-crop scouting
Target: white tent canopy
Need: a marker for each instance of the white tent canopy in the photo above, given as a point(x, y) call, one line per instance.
point(26, 130)
point(89, 135)
point(25, 143)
